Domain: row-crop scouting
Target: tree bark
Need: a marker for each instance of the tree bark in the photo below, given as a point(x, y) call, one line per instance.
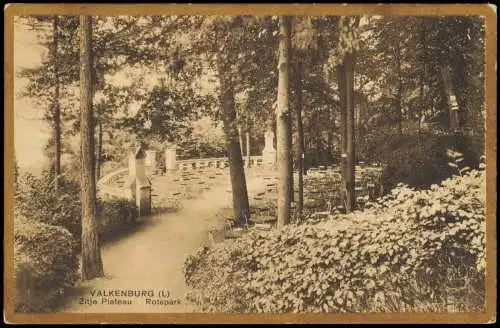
point(241, 208)
point(451, 100)
point(423, 70)
point(361, 109)
point(330, 135)
point(300, 131)
point(350, 130)
point(57, 107)
point(345, 75)
point(283, 128)
point(247, 134)
point(460, 84)
point(98, 119)
point(290, 147)
point(341, 80)
point(240, 138)
point(399, 92)
point(91, 254)
point(99, 147)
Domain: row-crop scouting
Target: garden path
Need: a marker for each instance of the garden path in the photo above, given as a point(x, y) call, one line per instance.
point(152, 257)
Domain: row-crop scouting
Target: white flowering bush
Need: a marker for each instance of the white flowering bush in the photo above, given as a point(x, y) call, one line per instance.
point(408, 251)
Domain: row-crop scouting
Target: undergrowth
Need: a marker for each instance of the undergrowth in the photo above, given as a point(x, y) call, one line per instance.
point(411, 250)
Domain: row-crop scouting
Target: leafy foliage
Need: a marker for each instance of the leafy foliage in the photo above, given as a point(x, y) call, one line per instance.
point(45, 264)
point(206, 140)
point(35, 199)
point(409, 251)
point(116, 217)
point(418, 160)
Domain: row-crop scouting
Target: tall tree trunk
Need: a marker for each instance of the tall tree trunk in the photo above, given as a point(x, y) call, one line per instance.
point(283, 134)
point(57, 107)
point(96, 79)
point(423, 70)
point(290, 147)
point(341, 80)
point(91, 254)
point(460, 84)
point(399, 92)
point(451, 100)
point(350, 163)
point(241, 207)
point(247, 134)
point(300, 131)
point(305, 145)
point(240, 138)
point(345, 75)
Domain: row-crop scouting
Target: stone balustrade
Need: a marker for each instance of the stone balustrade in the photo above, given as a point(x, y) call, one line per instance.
point(109, 184)
point(112, 177)
point(213, 163)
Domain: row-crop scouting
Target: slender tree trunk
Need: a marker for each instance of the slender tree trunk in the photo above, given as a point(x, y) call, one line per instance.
point(399, 92)
point(451, 99)
point(341, 80)
point(345, 75)
point(241, 208)
point(57, 107)
point(423, 70)
point(300, 131)
point(91, 254)
point(290, 147)
point(247, 134)
point(240, 138)
point(350, 163)
point(98, 119)
point(283, 135)
point(304, 162)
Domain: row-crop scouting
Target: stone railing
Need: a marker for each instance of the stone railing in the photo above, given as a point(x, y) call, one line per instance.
point(107, 184)
point(213, 163)
point(112, 177)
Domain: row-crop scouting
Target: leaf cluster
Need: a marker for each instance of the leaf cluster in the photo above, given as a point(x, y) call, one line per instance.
point(411, 250)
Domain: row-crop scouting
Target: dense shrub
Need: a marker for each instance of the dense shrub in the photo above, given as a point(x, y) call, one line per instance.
point(116, 217)
point(45, 264)
point(35, 198)
point(410, 251)
point(418, 160)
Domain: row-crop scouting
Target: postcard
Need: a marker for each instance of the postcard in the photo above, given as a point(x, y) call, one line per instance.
point(244, 163)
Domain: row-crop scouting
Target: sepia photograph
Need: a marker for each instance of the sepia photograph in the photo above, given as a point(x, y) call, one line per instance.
point(194, 163)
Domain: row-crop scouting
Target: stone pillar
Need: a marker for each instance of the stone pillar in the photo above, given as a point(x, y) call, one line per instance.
point(140, 168)
point(269, 153)
point(150, 162)
point(131, 165)
point(143, 197)
point(138, 185)
point(171, 158)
